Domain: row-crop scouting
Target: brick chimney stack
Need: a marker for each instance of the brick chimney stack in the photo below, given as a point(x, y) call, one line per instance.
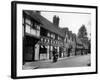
point(56, 20)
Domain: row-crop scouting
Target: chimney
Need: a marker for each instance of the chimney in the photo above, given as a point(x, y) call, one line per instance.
point(56, 20)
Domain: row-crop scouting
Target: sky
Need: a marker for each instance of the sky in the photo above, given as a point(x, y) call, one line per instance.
point(73, 21)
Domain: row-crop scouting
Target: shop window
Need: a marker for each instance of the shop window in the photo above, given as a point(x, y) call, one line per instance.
point(43, 49)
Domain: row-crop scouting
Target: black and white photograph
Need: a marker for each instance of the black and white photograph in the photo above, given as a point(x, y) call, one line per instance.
point(53, 39)
point(56, 39)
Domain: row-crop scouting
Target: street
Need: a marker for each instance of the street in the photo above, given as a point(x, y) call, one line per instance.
point(74, 61)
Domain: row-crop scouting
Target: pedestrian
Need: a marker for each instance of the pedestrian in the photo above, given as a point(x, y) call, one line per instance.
point(55, 56)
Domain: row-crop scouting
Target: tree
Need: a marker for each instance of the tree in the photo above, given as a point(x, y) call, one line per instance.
point(82, 35)
point(82, 32)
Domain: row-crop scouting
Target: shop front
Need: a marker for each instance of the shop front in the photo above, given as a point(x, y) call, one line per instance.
point(29, 43)
point(43, 52)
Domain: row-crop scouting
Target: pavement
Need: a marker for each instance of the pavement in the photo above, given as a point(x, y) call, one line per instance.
point(72, 61)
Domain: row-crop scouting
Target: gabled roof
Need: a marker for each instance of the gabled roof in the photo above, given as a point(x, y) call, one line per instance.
point(45, 23)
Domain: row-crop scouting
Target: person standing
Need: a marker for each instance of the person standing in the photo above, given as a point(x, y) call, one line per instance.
point(55, 56)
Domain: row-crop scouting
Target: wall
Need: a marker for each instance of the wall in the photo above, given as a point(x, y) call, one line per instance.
point(5, 40)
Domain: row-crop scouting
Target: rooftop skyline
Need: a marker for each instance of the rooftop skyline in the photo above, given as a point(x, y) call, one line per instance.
point(73, 21)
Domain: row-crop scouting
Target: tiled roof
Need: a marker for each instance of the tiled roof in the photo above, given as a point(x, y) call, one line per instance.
point(46, 23)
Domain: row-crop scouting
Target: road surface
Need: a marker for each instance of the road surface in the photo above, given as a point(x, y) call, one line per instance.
point(75, 61)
